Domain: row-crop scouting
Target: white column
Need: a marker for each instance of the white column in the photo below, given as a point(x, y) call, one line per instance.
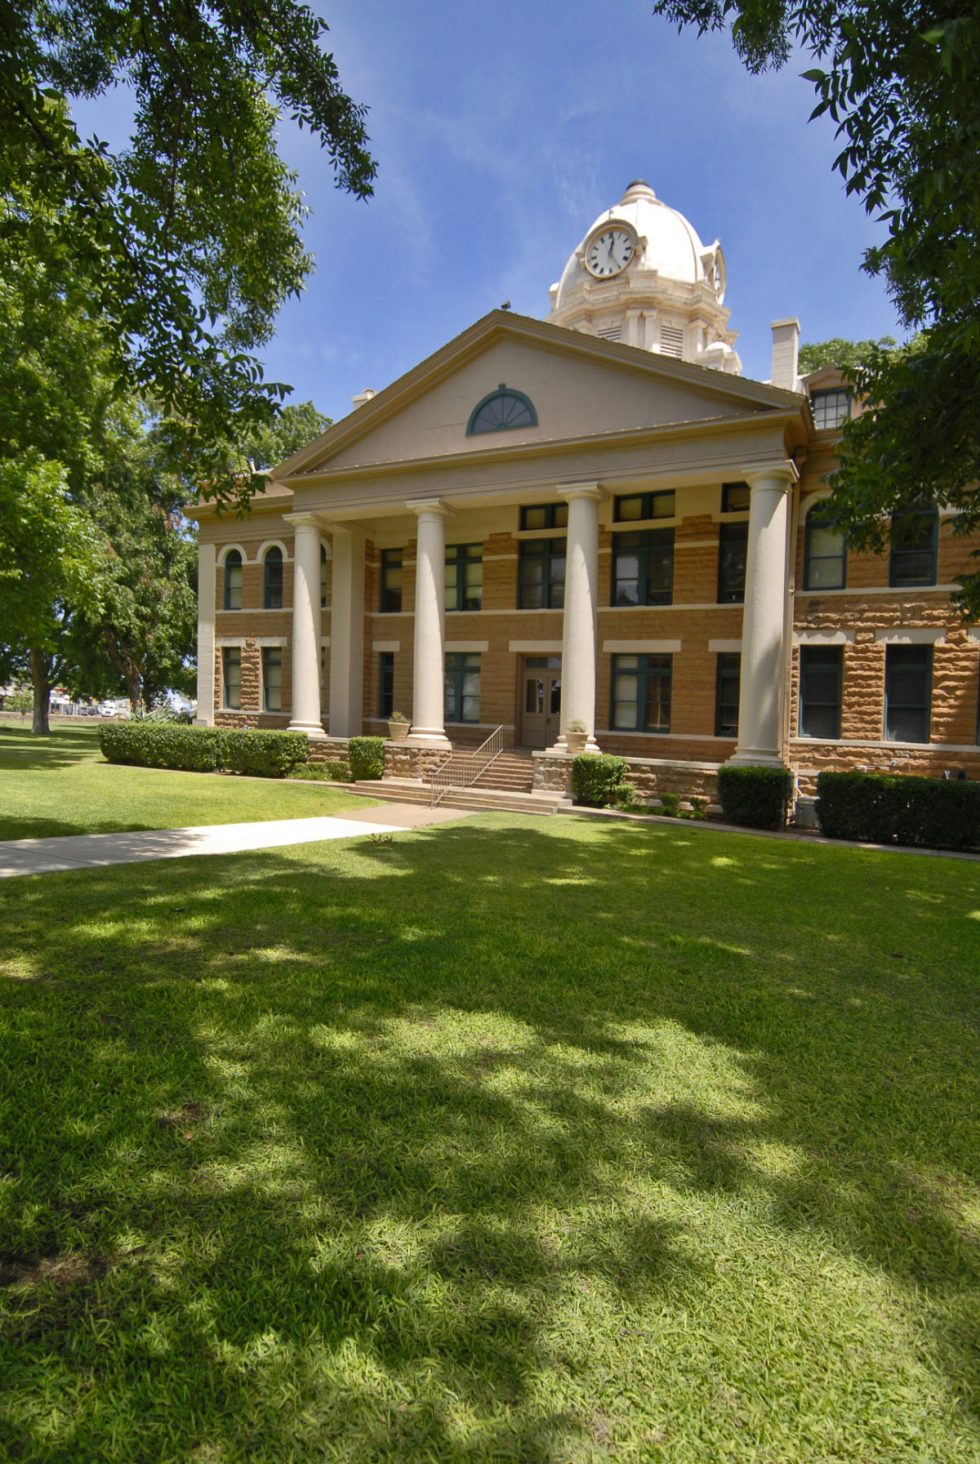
point(206, 581)
point(428, 725)
point(760, 701)
point(578, 653)
point(306, 625)
point(346, 632)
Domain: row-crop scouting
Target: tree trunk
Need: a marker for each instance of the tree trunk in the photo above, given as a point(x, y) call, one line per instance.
point(40, 679)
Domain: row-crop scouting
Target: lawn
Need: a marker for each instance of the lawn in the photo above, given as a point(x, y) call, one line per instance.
point(539, 1140)
point(60, 785)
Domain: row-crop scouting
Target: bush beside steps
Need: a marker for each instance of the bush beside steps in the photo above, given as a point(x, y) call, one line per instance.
point(204, 749)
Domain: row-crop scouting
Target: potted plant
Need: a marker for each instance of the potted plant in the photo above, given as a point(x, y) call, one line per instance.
point(398, 725)
point(576, 736)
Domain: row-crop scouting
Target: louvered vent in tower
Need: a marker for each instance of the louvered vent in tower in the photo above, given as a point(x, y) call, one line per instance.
point(671, 340)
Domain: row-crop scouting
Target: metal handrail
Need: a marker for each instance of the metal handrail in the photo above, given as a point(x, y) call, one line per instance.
point(461, 769)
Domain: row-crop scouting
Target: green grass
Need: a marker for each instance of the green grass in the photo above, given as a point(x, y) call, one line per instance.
point(60, 785)
point(540, 1140)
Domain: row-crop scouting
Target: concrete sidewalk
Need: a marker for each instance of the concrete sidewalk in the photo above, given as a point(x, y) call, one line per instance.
point(92, 851)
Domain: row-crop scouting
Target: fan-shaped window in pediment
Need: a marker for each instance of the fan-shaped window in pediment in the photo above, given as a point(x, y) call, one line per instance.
point(501, 411)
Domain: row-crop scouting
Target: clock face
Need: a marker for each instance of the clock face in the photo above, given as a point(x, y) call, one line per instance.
point(609, 252)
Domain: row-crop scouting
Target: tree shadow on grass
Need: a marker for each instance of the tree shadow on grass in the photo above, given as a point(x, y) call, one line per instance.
point(349, 1149)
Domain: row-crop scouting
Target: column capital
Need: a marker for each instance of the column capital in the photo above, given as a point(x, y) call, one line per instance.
point(303, 520)
point(421, 506)
point(785, 471)
point(568, 491)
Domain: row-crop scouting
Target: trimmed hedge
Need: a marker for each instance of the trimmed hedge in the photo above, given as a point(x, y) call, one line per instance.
point(263, 754)
point(597, 779)
point(150, 744)
point(161, 745)
point(367, 758)
point(886, 808)
point(754, 797)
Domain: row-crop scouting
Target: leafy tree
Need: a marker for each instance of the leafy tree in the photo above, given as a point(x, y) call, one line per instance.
point(850, 356)
point(898, 77)
point(51, 558)
point(187, 241)
point(141, 634)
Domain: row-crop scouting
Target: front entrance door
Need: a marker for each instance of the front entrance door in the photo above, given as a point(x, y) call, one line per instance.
point(540, 700)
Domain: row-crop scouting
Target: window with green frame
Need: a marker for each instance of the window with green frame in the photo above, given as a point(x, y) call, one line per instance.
point(821, 679)
point(728, 672)
point(386, 683)
point(908, 693)
point(272, 579)
point(735, 497)
point(464, 576)
point(733, 548)
point(641, 693)
point(824, 553)
point(323, 577)
point(830, 408)
point(272, 678)
point(643, 567)
point(390, 601)
point(631, 506)
point(544, 516)
point(914, 540)
point(462, 698)
point(231, 677)
point(232, 599)
point(541, 574)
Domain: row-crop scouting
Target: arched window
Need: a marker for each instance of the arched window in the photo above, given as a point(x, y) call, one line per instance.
point(272, 579)
point(824, 553)
point(500, 411)
point(233, 580)
point(323, 577)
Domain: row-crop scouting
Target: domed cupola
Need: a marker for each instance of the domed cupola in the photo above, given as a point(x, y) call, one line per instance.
point(642, 276)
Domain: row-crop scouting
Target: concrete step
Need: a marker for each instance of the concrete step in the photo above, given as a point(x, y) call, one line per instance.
point(406, 790)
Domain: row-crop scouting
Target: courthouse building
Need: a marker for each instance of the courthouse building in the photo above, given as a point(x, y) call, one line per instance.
point(593, 519)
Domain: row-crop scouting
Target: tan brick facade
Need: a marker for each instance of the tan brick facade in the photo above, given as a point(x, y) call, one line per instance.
point(864, 610)
point(371, 484)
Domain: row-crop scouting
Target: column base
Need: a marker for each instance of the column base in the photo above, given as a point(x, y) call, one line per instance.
point(313, 730)
point(424, 738)
point(749, 757)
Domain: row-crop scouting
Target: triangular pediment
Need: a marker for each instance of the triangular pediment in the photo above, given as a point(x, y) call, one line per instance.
point(580, 387)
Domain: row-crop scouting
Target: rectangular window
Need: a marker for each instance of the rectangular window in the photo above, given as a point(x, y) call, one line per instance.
point(644, 506)
point(541, 574)
point(391, 582)
point(643, 567)
point(727, 677)
point(641, 693)
point(908, 691)
point(830, 408)
point(272, 678)
point(386, 683)
point(464, 576)
point(462, 699)
point(733, 545)
point(545, 516)
point(821, 678)
point(824, 555)
point(914, 534)
point(735, 497)
point(231, 677)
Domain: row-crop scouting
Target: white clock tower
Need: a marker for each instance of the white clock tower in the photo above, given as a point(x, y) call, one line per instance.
point(642, 276)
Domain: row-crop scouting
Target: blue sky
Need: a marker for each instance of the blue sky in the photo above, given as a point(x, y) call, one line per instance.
point(502, 130)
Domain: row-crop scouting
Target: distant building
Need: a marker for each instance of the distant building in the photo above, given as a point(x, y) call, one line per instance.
point(596, 519)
